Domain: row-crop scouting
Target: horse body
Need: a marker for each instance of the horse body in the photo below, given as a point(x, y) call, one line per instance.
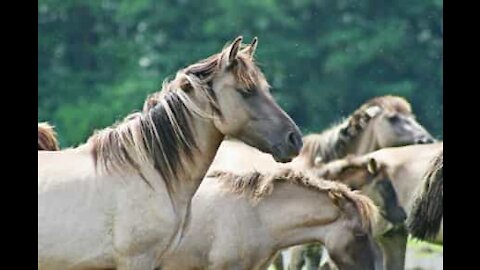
point(122, 199)
point(234, 231)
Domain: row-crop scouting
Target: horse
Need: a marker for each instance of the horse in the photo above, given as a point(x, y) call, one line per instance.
point(405, 167)
point(384, 121)
point(47, 137)
point(241, 220)
point(122, 199)
point(426, 215)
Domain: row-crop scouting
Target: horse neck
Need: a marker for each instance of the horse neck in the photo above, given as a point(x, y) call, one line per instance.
point(208, 141)
point(296, 215)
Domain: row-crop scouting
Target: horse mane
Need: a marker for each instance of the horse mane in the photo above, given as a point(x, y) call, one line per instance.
point(256, 186)
point(331, 144)
point(47, 137)
point(161, 136)
point(427, 209)
point(202, 73)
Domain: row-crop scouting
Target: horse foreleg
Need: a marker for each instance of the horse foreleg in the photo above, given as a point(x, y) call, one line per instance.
point(394, 246)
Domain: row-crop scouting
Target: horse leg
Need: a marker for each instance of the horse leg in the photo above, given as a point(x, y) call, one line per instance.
point(278, 261)
point(297, 259)
point(378, 255)
point(394, 246)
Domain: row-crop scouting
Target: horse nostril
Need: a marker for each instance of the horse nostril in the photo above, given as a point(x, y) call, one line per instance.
point(424, 141)
point(294, 140)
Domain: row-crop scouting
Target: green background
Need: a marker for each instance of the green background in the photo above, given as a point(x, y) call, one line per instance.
point(98, 59)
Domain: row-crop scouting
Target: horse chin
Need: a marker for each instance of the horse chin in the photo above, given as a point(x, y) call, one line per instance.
point(282, 159)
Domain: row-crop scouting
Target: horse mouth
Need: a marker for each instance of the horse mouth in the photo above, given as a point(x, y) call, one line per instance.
point(279, 154)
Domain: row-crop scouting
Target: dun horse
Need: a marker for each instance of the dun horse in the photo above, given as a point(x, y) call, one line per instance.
point(122, 199)
point(380, 122)
point(47, 137)
point(240, 221)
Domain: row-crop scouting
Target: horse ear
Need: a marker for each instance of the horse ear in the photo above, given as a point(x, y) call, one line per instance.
point(250, 50)
point(185, 85)
point(233, 51)
point(372, 166)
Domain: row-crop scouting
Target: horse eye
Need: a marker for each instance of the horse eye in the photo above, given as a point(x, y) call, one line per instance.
point(247, 93)
point(394, 118)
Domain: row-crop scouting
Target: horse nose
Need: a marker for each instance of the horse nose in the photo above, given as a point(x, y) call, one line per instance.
point(294, 140)
point(424, 140)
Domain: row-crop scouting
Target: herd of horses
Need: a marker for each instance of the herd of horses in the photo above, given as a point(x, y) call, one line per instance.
point(213, 174)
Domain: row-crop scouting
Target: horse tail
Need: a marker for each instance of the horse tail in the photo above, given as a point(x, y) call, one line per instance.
point(427, 211)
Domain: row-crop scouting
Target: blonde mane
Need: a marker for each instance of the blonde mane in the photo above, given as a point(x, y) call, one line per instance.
point(256, 186)
point(331, 143)
point(161, 136)
point(47, 137)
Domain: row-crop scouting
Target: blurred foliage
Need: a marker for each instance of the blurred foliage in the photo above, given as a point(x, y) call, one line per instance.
point(97, 60)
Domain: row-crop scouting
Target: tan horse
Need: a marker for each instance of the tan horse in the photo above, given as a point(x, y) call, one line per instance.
point(47, 137)
point(384, 121)
point(240, 221)
point(426, 216)
point(405, 167)
point(122, 199)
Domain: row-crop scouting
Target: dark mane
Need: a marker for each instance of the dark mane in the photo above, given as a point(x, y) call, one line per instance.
point(161, 137)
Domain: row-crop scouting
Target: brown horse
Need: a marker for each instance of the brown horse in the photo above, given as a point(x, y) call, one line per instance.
point(240, 221)
point(426, 216)
point(122, 199)
point(47, 137)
